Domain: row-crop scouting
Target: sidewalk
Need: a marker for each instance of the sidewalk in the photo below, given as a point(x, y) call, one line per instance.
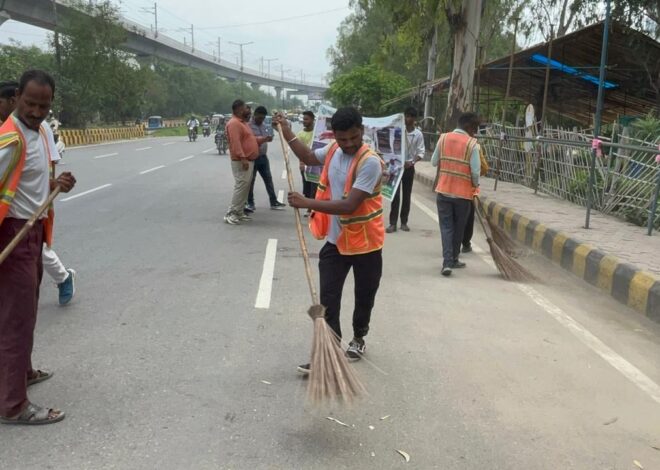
point(613, 254)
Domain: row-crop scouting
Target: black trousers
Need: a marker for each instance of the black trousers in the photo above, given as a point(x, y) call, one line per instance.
point(453, 214)
point(405, 187)
point(262, 166)
point(333, 270)
point(469, 228)
point(309, 188)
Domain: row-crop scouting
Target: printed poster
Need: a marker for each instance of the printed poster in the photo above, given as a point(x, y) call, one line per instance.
point(383, 135)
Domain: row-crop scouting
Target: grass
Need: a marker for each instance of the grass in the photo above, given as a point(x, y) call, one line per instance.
point(171, 132)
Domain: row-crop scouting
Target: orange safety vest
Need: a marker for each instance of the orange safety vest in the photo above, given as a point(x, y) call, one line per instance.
point(10, 134)
point(455, 151)
point(363, 231)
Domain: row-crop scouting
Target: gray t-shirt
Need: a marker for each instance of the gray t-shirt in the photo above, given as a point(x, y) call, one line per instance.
point(368, 177)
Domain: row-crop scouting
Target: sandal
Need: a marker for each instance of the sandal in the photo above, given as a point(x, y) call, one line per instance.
point(40, 376)
point(34, 415)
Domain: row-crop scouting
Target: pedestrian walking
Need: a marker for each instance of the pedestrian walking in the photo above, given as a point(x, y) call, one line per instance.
point(306, 136)
point(348, 213)
point(25, 185)
point(243, 151)
point(262, 164)
point(415, 151)
point(64, 277)
point(457, 157)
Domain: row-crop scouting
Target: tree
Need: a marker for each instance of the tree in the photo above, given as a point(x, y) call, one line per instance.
point(464, 16)
point(366, 87)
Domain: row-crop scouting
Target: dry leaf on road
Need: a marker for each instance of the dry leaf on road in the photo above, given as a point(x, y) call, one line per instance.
point(266, 382)
point(638, 465)
point(611, 421)
point(337, 421)
point(384, 417)
point(405, 455)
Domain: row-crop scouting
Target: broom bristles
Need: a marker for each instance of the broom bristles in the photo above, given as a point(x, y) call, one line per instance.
point(331, 378)
point(502, 239)
point(510, 269)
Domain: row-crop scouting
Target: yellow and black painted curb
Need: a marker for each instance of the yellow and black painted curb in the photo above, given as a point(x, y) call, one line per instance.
point(628, 284)
point(74, 137)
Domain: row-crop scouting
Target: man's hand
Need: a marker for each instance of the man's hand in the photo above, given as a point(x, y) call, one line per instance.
point(66, 182)
point(245, 165)
point(280, 119)
point(297, 200)
point(269, 138)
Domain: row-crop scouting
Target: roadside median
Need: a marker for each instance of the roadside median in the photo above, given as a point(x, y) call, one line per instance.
point(75, 137)
point(614, 255)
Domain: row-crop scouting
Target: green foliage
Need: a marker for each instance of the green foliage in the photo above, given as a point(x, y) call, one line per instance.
point(171, 132)
point(15, 59)
point(367, 87)
point(647, 128)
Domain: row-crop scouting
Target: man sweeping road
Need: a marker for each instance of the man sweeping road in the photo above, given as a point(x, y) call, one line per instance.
point(348, 213)
point(24, 187)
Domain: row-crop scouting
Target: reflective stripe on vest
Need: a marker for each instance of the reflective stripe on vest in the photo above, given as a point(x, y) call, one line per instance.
point(455, 151)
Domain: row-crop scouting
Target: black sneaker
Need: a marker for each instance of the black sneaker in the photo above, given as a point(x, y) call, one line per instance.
point(446, 271)
point(304, 369)
point(391, 229)
point(278, 206)
point(467, 248)
point(405, 227)
point(249, 208)
point(459, 264)
point(355, 350)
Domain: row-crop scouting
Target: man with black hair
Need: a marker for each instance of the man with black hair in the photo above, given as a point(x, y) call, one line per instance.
point(25, 184)
point(306, 136)
point(414, 152)
point(243, 151)
point(261, 164)
point(348, 212)
point(457, 157)
point(65, 278)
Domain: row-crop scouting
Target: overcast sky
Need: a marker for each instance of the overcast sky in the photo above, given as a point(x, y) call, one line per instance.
point(298, 43)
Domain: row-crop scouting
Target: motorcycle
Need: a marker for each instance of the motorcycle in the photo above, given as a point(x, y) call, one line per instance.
point(192, 133)
point(221, 141)
point(206, 130)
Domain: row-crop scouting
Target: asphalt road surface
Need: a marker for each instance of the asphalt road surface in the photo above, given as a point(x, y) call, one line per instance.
point(163, 361)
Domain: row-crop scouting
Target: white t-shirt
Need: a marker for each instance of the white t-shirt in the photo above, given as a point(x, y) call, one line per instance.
point(34, 185)
point(367, 178)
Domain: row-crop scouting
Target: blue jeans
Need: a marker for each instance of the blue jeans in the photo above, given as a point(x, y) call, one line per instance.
point(262, 166)
point(453, 215)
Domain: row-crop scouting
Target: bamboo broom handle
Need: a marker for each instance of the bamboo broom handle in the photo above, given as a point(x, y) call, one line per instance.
point(301, 236)
point(29, 224)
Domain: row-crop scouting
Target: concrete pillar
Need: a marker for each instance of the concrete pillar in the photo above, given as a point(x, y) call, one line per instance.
point(278, 92)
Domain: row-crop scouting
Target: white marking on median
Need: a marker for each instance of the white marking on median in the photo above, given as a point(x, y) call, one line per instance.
point(152, 169)
point(106, 155)
point(266, 282)
point(209, 150)
point(143, 148)
point(186, 158)
point(280, 196)
point(628, 370)
point(84, 193)
point(284, 174)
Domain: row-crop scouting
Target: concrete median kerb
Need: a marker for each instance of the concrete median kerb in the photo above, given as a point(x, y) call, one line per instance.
point(634, 287)
point(76, 137)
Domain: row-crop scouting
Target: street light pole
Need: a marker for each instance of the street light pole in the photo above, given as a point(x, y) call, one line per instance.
point(219, 49)
point(269, 61)
point(240, 46)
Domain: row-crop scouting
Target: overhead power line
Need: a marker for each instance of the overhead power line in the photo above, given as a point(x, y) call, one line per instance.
point(256, 23)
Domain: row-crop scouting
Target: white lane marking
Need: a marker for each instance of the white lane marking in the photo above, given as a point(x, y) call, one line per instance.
point(152, 169)
point(284, 174)
point(106, 155)
point(168, 143)
point(84, 193)
point(209, 150)
point(628, 370)
point(266, 282)
point(186, 158)
point(143, 148)
point(280, 196)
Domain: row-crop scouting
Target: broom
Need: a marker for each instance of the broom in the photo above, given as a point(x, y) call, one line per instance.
point(331, 377)
point(28, 225)
point(510, 269)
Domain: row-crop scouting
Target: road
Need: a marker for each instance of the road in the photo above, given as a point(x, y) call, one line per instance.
point(163, 361)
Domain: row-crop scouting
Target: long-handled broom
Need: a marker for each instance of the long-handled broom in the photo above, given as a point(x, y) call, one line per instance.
point(331, 377)
point(28, 225)
point(510, 269)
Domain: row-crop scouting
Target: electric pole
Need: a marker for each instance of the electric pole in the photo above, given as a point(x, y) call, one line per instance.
point(153, 10)
point(240, 46)
point(269, 61)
